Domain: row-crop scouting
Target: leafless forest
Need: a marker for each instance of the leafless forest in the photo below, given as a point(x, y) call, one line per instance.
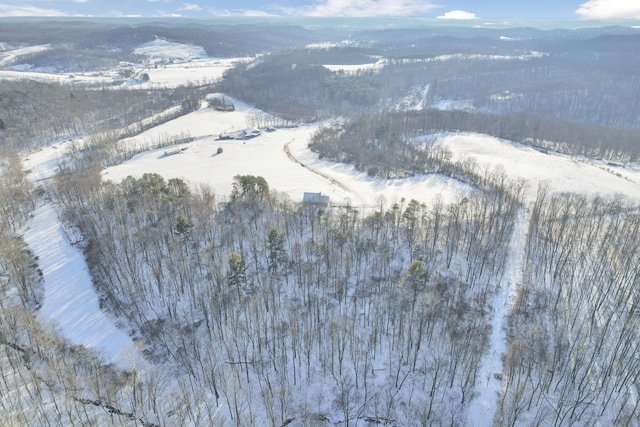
point(253, 309)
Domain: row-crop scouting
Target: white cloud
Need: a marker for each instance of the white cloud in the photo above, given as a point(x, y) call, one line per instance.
point(81, 1)
point(458, 14)
point(241, 12)
point(609, 9)
point(364, 8)
point(258, 13)
point(10, 10)
point(191, 7)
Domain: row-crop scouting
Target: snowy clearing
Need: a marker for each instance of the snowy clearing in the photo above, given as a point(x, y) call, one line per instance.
point(163, 76)
point(53, 77)
point(70, 302)
point(195, 72)
point(168, 65)
point(563, 173)
point(163, 50)
point(10, 56)
point(44, 163)
point(353, 69)
point(265, 156)
point(452, 104)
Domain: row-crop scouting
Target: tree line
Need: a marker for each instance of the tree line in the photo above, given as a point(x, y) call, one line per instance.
point(38, 113)
point(384, 144)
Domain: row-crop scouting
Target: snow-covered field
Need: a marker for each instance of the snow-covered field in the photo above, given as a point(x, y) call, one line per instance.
point(70, 302)
point(167, 64)
point(561, 172)
point(11, 55)
point(89, 78)
point(195, 72)
point(45, 162)
point(160, 50)
point(352, 69)
point(160, 76)
point(266, 156)
point(173, 64)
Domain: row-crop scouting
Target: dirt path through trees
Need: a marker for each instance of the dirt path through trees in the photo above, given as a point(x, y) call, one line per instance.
point(488, 389)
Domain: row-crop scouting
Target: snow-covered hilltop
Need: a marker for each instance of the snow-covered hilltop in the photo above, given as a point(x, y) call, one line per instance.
point(161, 51)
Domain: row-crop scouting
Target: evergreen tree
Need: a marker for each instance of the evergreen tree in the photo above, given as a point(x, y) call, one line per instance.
point(275, 246)
point(182, 224)
point(249, 187)
point(236, 275)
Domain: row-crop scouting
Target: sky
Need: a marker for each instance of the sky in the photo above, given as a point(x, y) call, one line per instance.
point(443, 9)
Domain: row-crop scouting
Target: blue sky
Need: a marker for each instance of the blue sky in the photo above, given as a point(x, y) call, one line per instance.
point(444, 9)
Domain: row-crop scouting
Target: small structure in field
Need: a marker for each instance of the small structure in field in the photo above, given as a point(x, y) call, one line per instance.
point(316, 200)
point(175, 151)
point(250, 133)
point(244, 134)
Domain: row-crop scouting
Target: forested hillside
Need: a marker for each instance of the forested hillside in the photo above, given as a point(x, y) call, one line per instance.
point(502, 302)
point(391, 144)
point(583, 76)
point(34, 114)
point(277, 309)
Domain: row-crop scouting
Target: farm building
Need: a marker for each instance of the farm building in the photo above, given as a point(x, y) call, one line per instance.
point(316, 199)
point(249, 133)
point(175, 151)
point(244, 134)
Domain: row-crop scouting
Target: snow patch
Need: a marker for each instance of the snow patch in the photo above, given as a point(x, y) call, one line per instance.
point(355, 68)
point(452, 104)
point(163, 50)
point(563, 173)
point(70, 302)
point(11, 56)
